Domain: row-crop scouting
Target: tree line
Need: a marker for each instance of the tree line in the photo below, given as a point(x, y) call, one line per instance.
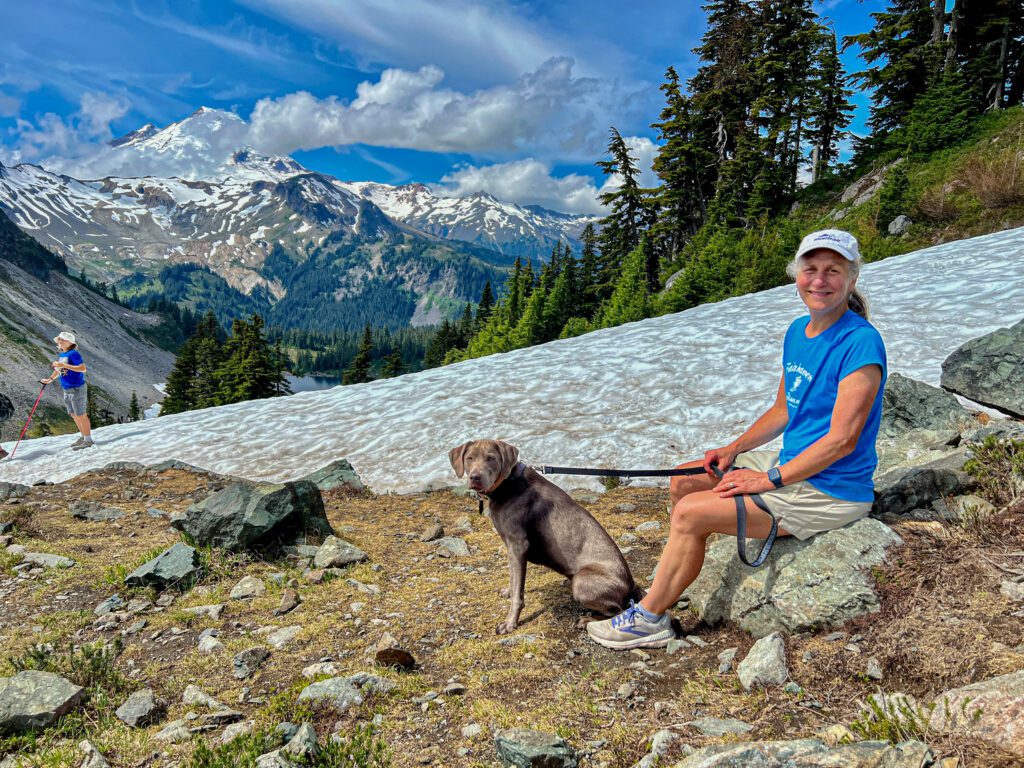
point(764, 114)
point(215, 368)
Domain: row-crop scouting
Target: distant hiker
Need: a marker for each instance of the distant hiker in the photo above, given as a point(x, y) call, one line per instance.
point(6, 412)
point(70, 369)
point(827, 409)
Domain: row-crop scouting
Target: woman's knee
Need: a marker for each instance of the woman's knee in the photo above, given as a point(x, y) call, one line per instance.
point(688, 518)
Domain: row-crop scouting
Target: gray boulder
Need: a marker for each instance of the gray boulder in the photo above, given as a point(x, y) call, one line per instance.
point(340, 693)
point(32, 700)
point(990, 370)
point(765, 665)
point(337, 553)
point(991, 710)
point(140, 709)
point(910, 404)
point(904, 489)
point(93, 512)
point(533, 749)
point(12, 491)
point(899, 225)
point(821, 582)
point(46, 560)
point(248, 661)
point(244, 515)
point(811, 753)
point(177, 566)
point(335, 474)
point(93, 758)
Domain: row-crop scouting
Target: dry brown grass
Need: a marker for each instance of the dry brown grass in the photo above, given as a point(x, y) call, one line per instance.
point(941, 615)
point(996, 179)
point(939, 202)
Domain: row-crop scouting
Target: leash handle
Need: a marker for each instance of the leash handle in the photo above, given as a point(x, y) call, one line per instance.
point(741, 531)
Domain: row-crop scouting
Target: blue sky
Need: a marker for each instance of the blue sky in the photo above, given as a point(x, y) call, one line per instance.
point(516, 97)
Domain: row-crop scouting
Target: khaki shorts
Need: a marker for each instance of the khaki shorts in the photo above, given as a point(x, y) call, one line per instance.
point(74, 401)
point(801, 508)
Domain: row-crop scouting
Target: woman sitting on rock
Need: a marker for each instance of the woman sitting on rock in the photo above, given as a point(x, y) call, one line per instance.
point(827, 409)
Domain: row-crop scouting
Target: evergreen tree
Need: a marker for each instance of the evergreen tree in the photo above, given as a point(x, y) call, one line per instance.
point(358, 371)
point(134, 411)
point(485, 307)
point(590, 278)
point(563, 301)
point(631, 299)
point(393, 365)
point(830, 107)
point(626, 221)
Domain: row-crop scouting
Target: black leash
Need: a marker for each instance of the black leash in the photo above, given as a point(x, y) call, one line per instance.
point(741, 507)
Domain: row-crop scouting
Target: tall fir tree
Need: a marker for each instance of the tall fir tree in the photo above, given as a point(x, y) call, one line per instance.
point(627, 218)
point(393, 365)
point(134, 411)
point(358, 371)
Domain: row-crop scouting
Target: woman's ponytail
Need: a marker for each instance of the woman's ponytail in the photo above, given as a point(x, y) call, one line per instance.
point(858, 303)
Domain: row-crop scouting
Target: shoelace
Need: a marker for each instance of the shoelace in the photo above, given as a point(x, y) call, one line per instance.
point(627, 617)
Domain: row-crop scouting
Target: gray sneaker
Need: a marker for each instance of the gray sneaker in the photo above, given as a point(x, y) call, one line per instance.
point(78, 442)
point(631, 630)
point(86, 443)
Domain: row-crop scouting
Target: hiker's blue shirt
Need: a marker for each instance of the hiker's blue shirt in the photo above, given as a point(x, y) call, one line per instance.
point(813, 369)
point(71, 379)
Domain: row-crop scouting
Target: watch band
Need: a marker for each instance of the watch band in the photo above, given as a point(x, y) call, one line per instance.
point(776, 477)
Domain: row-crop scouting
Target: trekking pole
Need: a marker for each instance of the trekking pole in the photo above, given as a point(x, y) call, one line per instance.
point(28, 420)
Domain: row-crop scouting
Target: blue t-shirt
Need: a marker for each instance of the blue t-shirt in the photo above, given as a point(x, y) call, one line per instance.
point(71, 379)
point(813, 369)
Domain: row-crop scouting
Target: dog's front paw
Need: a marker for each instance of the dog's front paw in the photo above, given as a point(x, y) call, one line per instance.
point(506, 627)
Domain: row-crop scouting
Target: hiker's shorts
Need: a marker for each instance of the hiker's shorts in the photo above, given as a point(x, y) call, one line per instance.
point(801, 508)
point(74, 401)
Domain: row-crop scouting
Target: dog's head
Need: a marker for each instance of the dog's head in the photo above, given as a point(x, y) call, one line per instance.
point(486, 463)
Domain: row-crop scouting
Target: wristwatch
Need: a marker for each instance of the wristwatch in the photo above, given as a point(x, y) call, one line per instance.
point(776, 477)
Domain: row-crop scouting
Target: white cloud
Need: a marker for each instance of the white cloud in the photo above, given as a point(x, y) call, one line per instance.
point(52, 140)
point(547, 113)
point(530, 182)
point(482, 41)
point(527, 182)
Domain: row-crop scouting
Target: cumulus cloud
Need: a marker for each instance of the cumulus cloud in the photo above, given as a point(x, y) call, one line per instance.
point(527, 182)
point(547, 113)
point(530, 182)
point(53, 141)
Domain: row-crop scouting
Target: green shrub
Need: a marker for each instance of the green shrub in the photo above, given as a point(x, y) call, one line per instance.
point(237, 753)
point(359, 749)
point(998, 467)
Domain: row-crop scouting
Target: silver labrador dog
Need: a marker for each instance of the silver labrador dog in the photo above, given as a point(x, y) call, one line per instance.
point(540, 523)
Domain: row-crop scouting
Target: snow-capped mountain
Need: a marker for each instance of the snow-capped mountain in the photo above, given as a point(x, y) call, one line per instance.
point(527, 231)
point(612, 398)
point(295, 243)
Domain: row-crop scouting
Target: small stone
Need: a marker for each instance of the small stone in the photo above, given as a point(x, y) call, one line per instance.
point(289, 601)
point(432, 532)
point(718, 727)
point(337, 553)
point(765, 664)
point(650, 525)
point(694, 640)
point(874, 670)
point(248, 587)
point(235, 730)
point(112, 603)
point(93, 757)
point(278, 639)
point(390, 654)
point(453, 689)
point(174, 732)
point(328, 669)
point(194, 696)
point(210, 645)
point(303, 744)
point(453, 545)
point(207, 611)
point(726, 659)
point(625, 691)
point(626, 507)
point(1012, 590)
point(520, 747)
point(140, 709)
point(675, 645)
point(471, 731)
point(793, 689)
point(248, 661)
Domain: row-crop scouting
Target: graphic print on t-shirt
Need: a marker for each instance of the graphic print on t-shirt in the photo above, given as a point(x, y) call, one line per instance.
point(802, 374)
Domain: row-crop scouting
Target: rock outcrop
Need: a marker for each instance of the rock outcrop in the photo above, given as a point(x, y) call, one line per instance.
point(990, 370)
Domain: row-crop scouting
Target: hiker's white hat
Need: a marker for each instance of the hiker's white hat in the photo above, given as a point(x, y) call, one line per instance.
point(66, 335)
point(836, 240)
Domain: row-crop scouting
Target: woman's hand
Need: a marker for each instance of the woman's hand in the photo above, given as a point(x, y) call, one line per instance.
point(719, 457)
point(743, 482)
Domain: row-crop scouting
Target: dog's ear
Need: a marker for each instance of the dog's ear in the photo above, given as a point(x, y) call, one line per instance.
point(509, 457)
point(456, 456)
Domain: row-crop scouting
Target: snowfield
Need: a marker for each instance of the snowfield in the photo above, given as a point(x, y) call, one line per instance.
point(648, 394)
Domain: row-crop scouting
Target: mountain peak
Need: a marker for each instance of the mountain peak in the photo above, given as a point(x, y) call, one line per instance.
point(139, 134)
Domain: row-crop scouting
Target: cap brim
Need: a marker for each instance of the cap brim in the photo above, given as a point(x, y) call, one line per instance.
point(845, 254)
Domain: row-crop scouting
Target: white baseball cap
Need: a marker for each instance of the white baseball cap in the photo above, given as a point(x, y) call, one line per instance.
point(66, 335)
point(836, 240)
